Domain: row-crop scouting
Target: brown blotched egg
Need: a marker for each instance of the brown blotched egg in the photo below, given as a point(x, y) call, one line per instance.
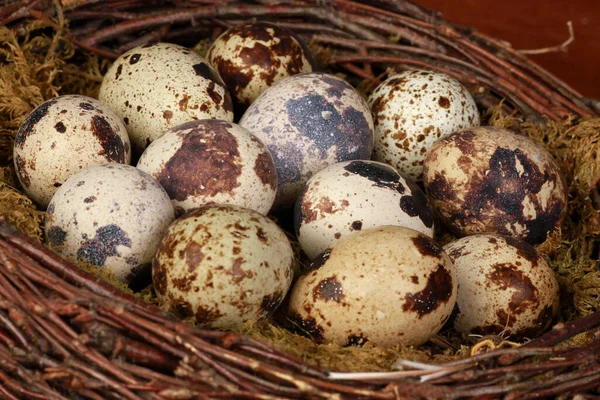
point(253, 56)
point(154, 88)
point(385, 285)
point(504, 286)
point(307, 122)
point(212, 161)
point(491, 180)
point(411, 111)
point(223, 265)
point(353, 195)
point(63, 136)
point(111, 216)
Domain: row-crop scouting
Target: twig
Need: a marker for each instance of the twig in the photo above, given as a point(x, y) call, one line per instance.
point(560, 48)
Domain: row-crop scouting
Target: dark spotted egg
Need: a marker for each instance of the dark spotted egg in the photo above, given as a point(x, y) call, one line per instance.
point(411, 111)
point(63, 136)
point(110, 216)
point(212, 161)
point(307, 122)
point(223, 266)
point(156, 87)
point(252, 57)
point(385, 286)
point(504, 287)
point(353, 195)
point(491, 180)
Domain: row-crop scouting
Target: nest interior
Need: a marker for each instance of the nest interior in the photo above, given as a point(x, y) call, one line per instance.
point(64, 333)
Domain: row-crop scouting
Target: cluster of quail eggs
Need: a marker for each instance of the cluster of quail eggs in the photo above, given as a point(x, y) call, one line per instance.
point(364, 181)
point(499, 192)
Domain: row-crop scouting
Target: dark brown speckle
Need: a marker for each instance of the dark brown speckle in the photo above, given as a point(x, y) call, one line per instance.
point(264, 167)
point(60, 127)
point(206, 164)
point(113, 148)
point(356, 340)
point(444, 102)
point(427, 246)
point(507, 276)
point(307, 326)
point(329, 289)
point(438, 290)
point(270, 302)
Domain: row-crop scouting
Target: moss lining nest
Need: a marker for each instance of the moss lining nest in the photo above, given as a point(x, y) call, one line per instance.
point(40, 64)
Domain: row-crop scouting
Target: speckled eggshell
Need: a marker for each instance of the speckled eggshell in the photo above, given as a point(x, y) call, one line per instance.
point(411, 111)
point(491, 180)
point(223, 266)
point(111, 216)
point(353, 195)
point(309, 121)
point(63, 136)
point(154, 88)
point(503, 286)
point(212, 161)
point(252, 57)
point(388, 285)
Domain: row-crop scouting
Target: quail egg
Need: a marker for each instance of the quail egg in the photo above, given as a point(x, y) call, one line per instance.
point(353, 195)
point(252, 57)
point(309, 121)
point(491, 180)
point(212, 161)
point(504, 287)
point(223, 266)
point(63, 136)
point(156, 87)
point(387, 286)
point(411, 111)
point(111, 216)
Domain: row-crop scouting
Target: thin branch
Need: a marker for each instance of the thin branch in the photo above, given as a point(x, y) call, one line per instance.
point(554, 49)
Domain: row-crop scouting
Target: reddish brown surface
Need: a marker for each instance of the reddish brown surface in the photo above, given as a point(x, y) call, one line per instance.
point(533, 24)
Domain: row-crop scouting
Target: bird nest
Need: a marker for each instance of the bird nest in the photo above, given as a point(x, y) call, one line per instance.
point(67, 333)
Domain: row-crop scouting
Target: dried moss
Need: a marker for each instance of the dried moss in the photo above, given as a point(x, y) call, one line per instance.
point(367, 358)
point(19, 210)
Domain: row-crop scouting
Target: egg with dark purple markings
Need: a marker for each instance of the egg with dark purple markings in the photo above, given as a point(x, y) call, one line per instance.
point(384, 286)
point(354, 195)
point(156, 87)
point(307, 122)
point(504, 287)
point(63, 136)
point(223, 266)
point(109, 216)
point(212, 161)
point(254, 56)
point(492, 180)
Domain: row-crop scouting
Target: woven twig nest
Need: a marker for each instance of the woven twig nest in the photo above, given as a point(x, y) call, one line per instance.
point(66, 334)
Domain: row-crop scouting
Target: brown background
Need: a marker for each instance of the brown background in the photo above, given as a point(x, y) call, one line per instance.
point(532, 24)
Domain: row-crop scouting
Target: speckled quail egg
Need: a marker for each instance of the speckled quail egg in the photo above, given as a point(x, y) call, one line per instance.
point(353, 195)
point(111, 216)
point(63, 136)
point(388, 285)
point(252, 57)
point(309, 121)
point(223, 266)
point(154, 88)
point(504, 286)
point(411, 111)
point(212, 161)
point(491, 180)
